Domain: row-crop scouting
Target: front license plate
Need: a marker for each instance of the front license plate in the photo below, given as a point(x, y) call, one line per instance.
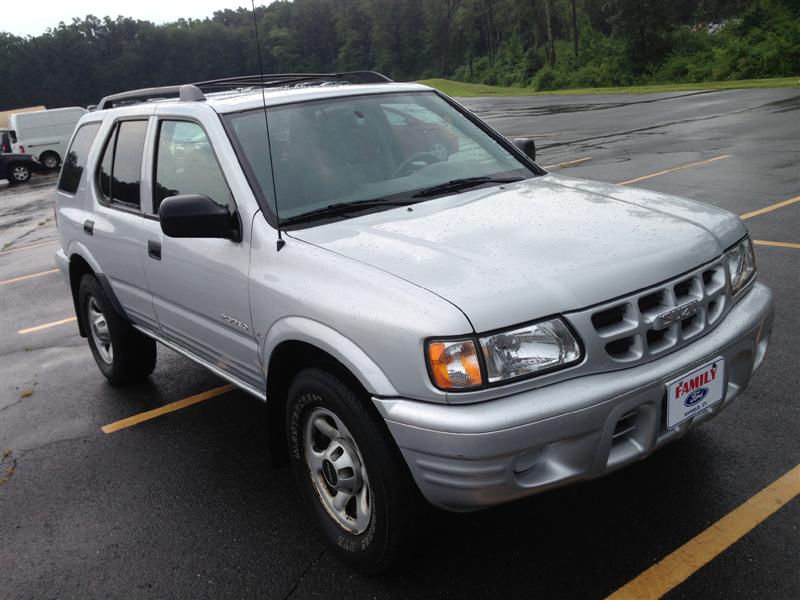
point(694, 392)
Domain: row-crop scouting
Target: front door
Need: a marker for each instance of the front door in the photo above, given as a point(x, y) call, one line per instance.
point(199, 286)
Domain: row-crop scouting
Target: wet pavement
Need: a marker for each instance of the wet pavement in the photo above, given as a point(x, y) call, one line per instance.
point(188, 505)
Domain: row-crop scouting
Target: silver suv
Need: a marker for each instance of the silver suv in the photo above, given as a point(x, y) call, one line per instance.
point(425, 311)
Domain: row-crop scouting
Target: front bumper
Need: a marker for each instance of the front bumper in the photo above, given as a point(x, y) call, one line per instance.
point(465, 457)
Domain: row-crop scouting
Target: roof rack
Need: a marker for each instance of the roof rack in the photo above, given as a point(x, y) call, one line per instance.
point(187, 93)
point(193, 92)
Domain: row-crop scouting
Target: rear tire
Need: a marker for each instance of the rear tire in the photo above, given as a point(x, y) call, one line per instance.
point(49, 160)
point(18, 173)
point(338, 446)
point(123, 354)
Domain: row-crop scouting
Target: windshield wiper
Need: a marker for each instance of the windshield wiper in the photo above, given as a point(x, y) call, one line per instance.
point(343, 208)
point(456, 185)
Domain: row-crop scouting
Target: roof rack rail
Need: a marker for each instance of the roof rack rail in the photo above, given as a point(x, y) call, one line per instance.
point(187, 93)
point(278, 79)
point(192, 92)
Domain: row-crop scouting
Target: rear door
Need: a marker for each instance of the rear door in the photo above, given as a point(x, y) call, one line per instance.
point(199, 286)
point(114, 230)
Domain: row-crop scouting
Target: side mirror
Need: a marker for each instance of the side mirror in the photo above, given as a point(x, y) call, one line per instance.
point(527, 145)
point(197, 216)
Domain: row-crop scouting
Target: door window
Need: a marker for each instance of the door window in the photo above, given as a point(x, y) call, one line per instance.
point(120, 172)
point(186, 164)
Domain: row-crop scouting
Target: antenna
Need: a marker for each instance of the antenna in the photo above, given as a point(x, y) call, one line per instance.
point(281, 243)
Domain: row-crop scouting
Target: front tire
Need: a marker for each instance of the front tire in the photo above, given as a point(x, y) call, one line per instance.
point(349, 471)
point(123, 354)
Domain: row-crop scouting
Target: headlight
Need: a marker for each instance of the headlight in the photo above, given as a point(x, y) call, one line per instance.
point(528, 350)
point(454, 364)
point(741, 264)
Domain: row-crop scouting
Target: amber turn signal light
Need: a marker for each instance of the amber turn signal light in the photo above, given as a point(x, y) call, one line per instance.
point(454, 364)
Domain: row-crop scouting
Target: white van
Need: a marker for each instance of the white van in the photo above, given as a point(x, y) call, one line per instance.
point(45, 133)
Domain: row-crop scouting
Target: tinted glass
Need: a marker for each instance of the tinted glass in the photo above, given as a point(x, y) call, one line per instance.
point(104, 172)
point(75, 161)
point(127, 167)
point(186, 164)
point(367, 147)
point(251, 133)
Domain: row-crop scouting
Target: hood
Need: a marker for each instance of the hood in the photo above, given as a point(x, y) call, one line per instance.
point(518, 252)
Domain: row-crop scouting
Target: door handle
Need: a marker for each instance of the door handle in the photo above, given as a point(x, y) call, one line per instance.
point(154, 249)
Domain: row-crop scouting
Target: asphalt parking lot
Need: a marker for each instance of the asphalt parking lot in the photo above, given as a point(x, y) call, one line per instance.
point(187, 504)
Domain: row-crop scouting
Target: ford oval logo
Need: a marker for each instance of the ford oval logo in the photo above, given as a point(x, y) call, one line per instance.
point(696, 396)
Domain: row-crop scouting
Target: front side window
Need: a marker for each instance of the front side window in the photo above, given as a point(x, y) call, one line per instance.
point(186, 164)
point(367, 148)
point(75, 160)
point(120, 171)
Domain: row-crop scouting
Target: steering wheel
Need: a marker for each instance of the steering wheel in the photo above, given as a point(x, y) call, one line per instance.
point(427, 157)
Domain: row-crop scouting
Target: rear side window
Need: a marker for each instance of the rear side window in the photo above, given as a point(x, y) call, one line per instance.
point(119, 174)
point(75, 161)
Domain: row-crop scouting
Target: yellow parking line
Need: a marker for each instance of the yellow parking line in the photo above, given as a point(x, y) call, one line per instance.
point(777, 244)
point(567, 163)
point(700, 550)
point(673, 169)
point(47, 325)
point(24, 277)
point(28, 247)
point(167, 408)
point(770, 208)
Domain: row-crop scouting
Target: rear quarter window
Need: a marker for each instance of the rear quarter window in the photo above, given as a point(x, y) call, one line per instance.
point(75, 161)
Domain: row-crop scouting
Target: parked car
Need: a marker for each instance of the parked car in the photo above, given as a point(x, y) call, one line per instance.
point(45, 133)
point(17, 168)
point(469, 331)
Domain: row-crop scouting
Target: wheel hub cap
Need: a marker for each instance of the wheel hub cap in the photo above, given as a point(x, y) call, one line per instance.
point(337, 471)
point(98, 326)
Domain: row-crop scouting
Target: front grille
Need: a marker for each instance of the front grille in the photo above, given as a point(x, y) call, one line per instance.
point(631, 329)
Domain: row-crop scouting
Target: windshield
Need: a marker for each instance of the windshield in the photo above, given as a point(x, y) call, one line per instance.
point(365, 149)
